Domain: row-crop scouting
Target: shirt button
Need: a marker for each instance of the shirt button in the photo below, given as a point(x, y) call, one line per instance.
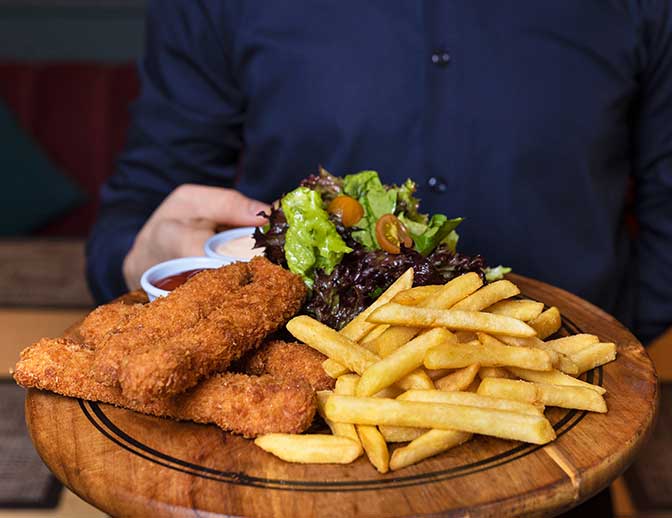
point(437, 184)
point(440, 58)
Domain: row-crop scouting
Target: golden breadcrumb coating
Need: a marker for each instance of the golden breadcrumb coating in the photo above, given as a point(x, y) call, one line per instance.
point(104, 320)
point(247, 405)
point(289, 360)
point(166, 317)
point(245, 315)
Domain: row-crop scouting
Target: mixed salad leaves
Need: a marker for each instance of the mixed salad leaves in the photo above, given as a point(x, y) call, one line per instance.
point(350, 237)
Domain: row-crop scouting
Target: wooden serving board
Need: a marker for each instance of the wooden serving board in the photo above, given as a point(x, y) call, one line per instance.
point(129, 464)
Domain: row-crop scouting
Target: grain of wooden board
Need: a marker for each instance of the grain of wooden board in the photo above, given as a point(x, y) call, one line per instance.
point(128, 464)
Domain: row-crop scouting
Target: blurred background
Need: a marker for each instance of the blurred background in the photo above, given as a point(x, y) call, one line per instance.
point(67, 78)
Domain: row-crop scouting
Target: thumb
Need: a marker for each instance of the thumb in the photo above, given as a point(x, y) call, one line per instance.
point(229, 207)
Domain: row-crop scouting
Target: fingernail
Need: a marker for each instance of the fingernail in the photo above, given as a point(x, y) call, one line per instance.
point(258, 208)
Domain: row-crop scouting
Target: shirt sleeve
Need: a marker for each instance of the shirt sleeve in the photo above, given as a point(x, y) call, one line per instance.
point(653, 174)
point(186, 128)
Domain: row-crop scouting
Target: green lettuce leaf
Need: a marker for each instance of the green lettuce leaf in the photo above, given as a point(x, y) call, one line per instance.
point(312, 241)
point(451, 241)
point(496, 273)
point(407, 203)
point(359, 184)
point(376, 200)
point(428, 236)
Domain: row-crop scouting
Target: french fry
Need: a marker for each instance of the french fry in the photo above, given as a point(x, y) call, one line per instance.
point(465, 336)
point(358, 327)
point(345, 355)
point(415, 380)
point(310, 449)
point(434, 442)
point(418, 379)
point(344, 352)
point(474, 386)
point(401, 433)
point(487, 421)
point(580, 398)
point(375, 447)
point(398, 314)
point(515, 390)
point(414, 296)
point(559, 360)
point(524, 309)
point(359, 330)
point(403, 342)
point(455, 356)
point(370, 339)
point(445, 297)
point(458, 380)
point(547, 323)
point(435, 374)
point(571, 344)
point(471, 399)
point(531, 342)
point(392, 433)
point(488, 340)
point(345, 385)
point(393, 338)
point(594, 355)
point(342, 429)
point(370, 438)
point(391, 392)
point(567, 365)
point(427, 445)
point(453, 291)
point(401, 362)
point(488, 295)
point(333, 368)
point(331, 343)
point(494, 372)
point(554, 377)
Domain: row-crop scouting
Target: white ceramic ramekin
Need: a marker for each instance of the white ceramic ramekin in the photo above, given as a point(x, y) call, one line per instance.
point(221, 238)
point(173, 267)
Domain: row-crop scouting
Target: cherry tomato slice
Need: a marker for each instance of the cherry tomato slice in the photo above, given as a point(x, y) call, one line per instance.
point(350, 210)
point(391, 233)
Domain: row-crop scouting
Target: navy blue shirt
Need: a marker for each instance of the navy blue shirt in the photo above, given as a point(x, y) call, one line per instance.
point(527, 118)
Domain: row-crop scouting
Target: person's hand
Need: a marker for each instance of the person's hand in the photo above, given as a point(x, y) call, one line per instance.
point(180, 226)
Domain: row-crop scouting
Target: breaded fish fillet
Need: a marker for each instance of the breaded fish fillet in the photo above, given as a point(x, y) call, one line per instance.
point(106, 319)
point(243, 404)
point(289, 360)
point(166, 317)
point(169, 365)
point(276, 357)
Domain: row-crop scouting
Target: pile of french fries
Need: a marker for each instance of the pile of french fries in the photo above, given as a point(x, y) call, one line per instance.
point(433, 365)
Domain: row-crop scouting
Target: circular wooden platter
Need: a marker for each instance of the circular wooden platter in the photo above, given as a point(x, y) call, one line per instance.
point(128, 464)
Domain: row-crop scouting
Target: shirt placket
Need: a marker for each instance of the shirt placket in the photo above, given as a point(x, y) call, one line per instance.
point(443, 139)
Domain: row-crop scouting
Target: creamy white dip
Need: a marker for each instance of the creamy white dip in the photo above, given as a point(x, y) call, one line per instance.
point(241, 247)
